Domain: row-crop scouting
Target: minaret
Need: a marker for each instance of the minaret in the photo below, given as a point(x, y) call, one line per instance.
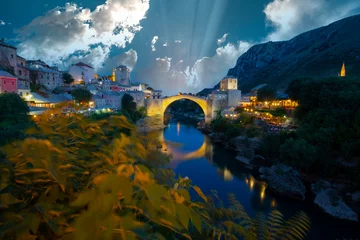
point(343, 71)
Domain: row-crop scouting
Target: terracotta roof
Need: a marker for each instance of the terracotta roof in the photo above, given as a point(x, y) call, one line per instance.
point(81, 64)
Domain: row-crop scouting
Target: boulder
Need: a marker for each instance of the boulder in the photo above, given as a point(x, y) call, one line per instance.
point(284, 181)
point(330, 202)
point(217, 136)
point(243, 160)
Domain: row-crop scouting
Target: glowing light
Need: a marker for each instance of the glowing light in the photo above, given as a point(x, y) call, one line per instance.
point(262, 193)
point(273, 203)
point(251, 184)
point(178, 128)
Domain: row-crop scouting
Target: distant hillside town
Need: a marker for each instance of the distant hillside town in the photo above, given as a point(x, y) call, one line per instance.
point(43, 86)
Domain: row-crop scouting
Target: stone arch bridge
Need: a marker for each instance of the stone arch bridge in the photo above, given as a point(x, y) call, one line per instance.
point(157, 107)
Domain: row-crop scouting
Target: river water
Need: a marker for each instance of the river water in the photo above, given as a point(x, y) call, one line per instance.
point(212, 167)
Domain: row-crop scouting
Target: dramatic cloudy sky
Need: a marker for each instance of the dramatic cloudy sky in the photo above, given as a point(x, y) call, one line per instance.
point(174, 45)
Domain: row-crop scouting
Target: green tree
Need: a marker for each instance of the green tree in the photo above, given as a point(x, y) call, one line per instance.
point(266, 94)
point(298, 152)
point(14, 117)
point(68, 79)
point(128, 104)
point(81, 95)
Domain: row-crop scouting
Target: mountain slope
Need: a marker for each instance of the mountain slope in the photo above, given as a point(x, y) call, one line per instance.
point(317, 53)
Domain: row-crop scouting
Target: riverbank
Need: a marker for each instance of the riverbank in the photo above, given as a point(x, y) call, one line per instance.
point(336, 197)
point(214, 169)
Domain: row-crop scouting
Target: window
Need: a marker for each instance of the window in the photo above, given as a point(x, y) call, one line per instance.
point(12, 55)
point(22, 64)
point(19, 72)
point(20, 94)
point(4, 82)
point(12, 83)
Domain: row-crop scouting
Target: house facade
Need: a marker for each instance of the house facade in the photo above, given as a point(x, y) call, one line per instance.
point(8, 83)
point(82, 73)
point(7, 56)
point(44, 75)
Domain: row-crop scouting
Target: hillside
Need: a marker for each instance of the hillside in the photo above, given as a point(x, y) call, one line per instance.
point(317, 53)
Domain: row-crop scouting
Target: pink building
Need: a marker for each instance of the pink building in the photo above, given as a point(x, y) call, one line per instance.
point(8, 83)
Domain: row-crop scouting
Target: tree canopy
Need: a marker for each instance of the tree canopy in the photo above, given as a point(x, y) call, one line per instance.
point(81, 95)
point(68, 79)
point(14, 117)
point(329, 114)
point(266, 94)
point(12, 107)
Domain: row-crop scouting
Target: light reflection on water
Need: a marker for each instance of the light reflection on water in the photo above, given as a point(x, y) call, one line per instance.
point(212, 167)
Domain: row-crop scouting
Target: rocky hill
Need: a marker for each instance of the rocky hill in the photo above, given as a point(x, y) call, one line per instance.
point(317, 53)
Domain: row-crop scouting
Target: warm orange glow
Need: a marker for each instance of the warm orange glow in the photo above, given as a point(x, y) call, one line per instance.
point(273, 203)
point(178, 128)
point(343, 71)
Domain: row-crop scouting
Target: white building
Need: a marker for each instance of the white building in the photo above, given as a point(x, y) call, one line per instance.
point(82, 73)
point(234, 98)
point(121, 75)
point(228, 83)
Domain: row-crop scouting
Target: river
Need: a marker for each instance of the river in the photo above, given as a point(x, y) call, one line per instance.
point(212, 167)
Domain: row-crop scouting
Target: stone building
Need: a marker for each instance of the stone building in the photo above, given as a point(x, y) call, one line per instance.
point(23, 74)
point(7, 56)
point(121, 74)
point(228, 83)
point(44, 75)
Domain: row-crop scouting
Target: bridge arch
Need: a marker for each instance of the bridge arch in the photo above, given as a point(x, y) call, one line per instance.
point(201, 102)
point(157, 107)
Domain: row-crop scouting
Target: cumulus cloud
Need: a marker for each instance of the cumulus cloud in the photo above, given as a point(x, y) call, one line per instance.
point(177, 41)
point(2, 23)
point(153, 42)
point(206, 72)
point(165, 44)
point(292, 17)
point(222, 39)
point(128, 59)
point(74, 32)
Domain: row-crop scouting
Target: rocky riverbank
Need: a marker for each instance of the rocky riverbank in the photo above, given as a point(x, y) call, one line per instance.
point(341, 201)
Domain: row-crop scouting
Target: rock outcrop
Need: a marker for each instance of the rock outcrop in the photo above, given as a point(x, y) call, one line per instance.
point(330, 201)
point(317, 53)
point(217, 137)
point(149, 124)
point(284, 181)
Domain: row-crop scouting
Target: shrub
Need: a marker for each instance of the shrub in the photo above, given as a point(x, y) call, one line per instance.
point(298, 152)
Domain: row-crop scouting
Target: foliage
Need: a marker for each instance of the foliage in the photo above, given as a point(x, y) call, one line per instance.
point(130, 110)
point(68, 79)
point(329, 115)
point(266, 94)
point(76, 178)
point(270, 146)
point(298, 152)
point(13, 117)
point(254, 131)
point(233, 131)
point(128, 104)
point(80, 95)
point(220, 124)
